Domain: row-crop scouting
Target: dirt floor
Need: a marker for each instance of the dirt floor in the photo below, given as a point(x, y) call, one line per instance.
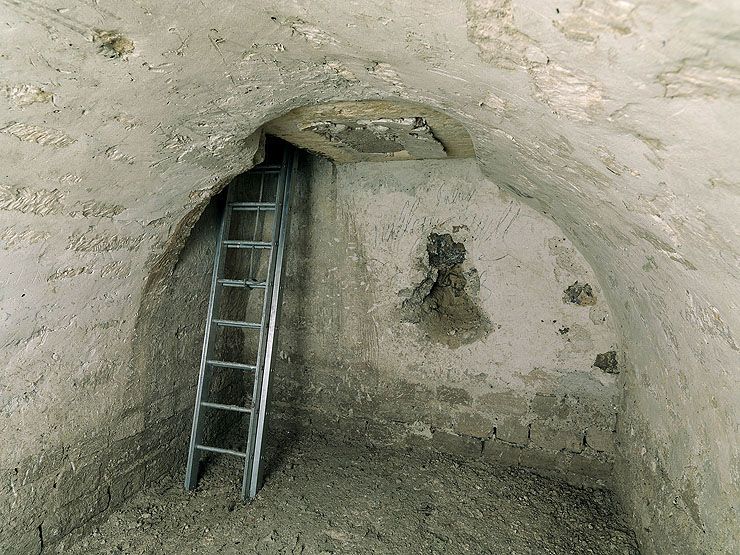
point(322, 499)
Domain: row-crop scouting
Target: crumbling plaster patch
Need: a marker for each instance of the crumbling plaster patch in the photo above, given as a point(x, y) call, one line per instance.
point(387, 136)
point(664, 104)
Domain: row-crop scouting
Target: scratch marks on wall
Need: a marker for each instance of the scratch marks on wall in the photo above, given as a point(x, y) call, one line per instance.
point(496, 104)
point(433, 52)
point(92, 241)
point(116, 155)
point(663, 247)
point(386, 73)
point(612, 164)
point(571, 94)
point(31, 133)
point(112, 270)
point(68, 272)
point(40, 202)
point(116, 269)
point(97, 209)
point(567, 93)
point(14, 237)
point(701, 78)
point(708, 320)
point(491, 27)
point(44, 202)
point(164, 67)
point(43, 15)
point(341, 73)
point(25, 95)
point(310, 33)
point(70, 178)
point(127, 121)
point(592, 18)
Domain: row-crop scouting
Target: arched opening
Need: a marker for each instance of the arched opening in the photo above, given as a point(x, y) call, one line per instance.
point(424, 311)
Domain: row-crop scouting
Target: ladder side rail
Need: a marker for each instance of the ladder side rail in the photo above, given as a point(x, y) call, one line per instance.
point(259, 230)
point(259, 409)
point(191, 472)
point(267, 302)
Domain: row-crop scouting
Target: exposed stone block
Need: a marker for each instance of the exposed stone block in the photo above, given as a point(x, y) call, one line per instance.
point(122, 456)
point(128, 424)
point(473, 424)
point(453, 395)
point(550, 406)
point(555, 436)
point(598, 468)
point(544, 460)
point(382, 432)
point(33, 469)
point(503, 403)
point(454, 444)
point(500, 452)
point(405, 402)
point(512, 429)
point(600, 439)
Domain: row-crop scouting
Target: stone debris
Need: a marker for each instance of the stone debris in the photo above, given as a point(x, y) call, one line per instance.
point(113, 43)
point(607, 362)
point(580, 294)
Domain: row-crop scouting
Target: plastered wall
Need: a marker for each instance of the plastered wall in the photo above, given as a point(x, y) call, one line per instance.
point(503, 368)
point(617, 121)
point(88, 437)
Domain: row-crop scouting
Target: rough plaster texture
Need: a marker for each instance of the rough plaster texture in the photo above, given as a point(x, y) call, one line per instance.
point(617, 120)
point(386, 136)
point(349, 132)
point(522, 389)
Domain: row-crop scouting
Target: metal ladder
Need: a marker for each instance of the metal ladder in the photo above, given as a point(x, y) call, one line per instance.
point(256, 412)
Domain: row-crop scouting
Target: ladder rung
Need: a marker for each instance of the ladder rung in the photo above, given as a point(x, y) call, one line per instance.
point(222, 451)
point(242, 283)
point(246, 244)
point(252, 205)
point(237, 324)
point(237, 365)
point(235, 408)
point(269, 167)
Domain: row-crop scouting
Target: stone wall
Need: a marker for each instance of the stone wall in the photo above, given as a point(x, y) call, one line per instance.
point(384, 341)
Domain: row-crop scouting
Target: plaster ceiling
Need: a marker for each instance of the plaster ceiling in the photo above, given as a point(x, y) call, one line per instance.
point(374, 131)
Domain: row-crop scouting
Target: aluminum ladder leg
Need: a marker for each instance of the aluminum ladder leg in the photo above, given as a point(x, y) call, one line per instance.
point(257, 411)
